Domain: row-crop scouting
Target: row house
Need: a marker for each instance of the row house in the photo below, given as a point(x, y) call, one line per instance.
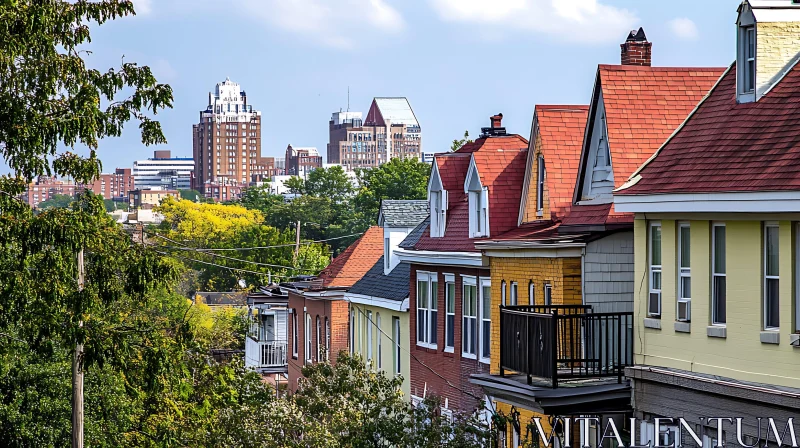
point(474, 194)
point(319, 314)
point(564, 275)
point(717, 243)
point(379, 302)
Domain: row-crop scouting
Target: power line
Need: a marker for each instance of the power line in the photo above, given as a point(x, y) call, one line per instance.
point(306, 243)
point(219, 265)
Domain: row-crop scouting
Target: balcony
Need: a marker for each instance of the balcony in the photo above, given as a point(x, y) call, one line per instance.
point(266, 356)
point(557, 344)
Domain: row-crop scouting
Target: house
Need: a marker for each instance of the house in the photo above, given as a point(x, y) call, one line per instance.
point(319, 314)
point(474, 194)
point(716, 242)
point(379, 301)
point(266, 341)
point(564, 275)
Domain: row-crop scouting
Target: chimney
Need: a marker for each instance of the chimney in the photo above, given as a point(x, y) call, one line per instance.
point(497, 128)
point(637, 50)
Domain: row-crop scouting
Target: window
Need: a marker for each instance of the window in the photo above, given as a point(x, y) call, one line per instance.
point(684, 273)
point(540, 185)
point(378, 334)
point(531, 294)
point(369, 335)
point(503, 293)
point(386, 257)
point(486, 319)
point(718, 278)
point(308, 338)
point(654, 300)
point(548, 294)
point(450, 312)
point(438, 213)
point(295, 345)
point(327, 339)
point(427, 309)
point(749, 58)
point(514, 294)
point(771, 276)
point(396, 338)
point(352, 330)
point(319, 339)
point(478, 207)
point(469, 307)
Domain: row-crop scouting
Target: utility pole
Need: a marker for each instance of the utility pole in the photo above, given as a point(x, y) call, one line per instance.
point(77, 374)
point(297, 244)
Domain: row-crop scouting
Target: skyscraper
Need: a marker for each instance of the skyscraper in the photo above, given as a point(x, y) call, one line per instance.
point(227, 141)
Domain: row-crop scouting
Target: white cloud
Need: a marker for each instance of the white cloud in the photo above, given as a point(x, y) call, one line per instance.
point(338, 24)
point(587, 21)
point(684, 28)
point(143, 6)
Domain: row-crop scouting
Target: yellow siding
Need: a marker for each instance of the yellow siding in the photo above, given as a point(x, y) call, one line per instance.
point(530, 204)
point(741, 355)
point(778, 46)
point(525, 419)
point(387, 346)
point(564, 274)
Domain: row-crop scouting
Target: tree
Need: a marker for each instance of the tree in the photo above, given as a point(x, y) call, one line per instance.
point(295, 185)
point(56, 201)
point(330, 183)
point(192, 195)
point(260, 198)
point(457, 144)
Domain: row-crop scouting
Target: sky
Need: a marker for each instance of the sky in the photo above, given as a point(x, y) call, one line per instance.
point(457, 61)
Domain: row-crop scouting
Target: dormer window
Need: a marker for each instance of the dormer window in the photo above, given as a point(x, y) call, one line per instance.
point(479, 212)
point(746, 69)
point(540, 185)
point(438, 213)
point(749, 58)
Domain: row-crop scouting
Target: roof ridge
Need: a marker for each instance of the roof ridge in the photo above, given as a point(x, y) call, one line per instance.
point(620, 67)
point(562, 107)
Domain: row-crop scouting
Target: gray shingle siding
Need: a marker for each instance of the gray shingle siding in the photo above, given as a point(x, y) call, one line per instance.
point(608, 273)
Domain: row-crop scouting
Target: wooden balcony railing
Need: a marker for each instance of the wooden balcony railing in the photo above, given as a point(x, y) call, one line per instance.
point(560, 343)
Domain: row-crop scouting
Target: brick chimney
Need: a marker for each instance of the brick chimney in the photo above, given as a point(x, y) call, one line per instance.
point(497, 128)
point(637, 50)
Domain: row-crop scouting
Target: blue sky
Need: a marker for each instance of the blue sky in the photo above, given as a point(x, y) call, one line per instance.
point(458, 61)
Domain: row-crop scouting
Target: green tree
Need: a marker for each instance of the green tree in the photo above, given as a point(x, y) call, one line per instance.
point(295, 185)
point(261, 199)
point(57, 201)
point(192, 195)
point(457, 144)
point(330, 183)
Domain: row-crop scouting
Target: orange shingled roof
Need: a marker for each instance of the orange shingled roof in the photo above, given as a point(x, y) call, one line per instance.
point(348, 268)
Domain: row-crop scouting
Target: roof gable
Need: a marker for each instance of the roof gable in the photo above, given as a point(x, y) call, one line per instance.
point(346, 269)
point(392, 111)
point(402, 212)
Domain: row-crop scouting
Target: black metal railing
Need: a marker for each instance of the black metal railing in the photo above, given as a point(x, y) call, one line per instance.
point(560, 343)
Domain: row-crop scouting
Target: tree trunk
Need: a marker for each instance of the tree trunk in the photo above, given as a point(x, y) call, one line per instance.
point(77, 375)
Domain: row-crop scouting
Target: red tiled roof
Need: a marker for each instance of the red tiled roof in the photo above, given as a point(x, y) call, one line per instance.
point(561, 130)
point(348, 268)
point(501, 165)
point(644, 106)
point(730, 147)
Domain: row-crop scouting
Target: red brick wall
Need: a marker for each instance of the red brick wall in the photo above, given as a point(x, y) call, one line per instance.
point(452, 366)
point(336, 311)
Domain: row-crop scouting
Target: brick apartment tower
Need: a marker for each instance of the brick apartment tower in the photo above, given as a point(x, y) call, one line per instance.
point(227, 141)
point(637, 50)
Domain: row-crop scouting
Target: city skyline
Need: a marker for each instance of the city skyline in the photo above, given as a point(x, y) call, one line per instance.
point(453, 66)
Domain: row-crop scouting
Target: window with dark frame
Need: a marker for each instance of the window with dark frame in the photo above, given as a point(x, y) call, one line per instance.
point(718, 276)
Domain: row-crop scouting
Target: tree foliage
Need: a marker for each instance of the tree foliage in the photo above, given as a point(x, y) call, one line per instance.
point(458, 143)
point(56, 201)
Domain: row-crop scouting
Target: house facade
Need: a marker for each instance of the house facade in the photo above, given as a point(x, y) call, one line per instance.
point(379, 302)
point(473, 195)
point(319, 315)
point(266, 344)
point(565, 275)
point(716, 239)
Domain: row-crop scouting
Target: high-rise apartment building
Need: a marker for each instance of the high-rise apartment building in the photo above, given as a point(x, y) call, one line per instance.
point(390, 130)
point(114, 185)
point(165, 171)
point(227, 141)
point(301, 161)
point(45, 187)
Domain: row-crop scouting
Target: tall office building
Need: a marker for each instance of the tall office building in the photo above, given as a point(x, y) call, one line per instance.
point(165, 171)
point(301, 161)
point(227, 141)
point(390, 130)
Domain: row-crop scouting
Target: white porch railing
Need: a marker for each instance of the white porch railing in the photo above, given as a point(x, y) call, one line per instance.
point(272, 354)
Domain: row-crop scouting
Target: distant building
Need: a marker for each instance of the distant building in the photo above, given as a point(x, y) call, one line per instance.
point(45, 187)
point(149, 198)
point(390, 130)
point(114, 185)
point(268, 167)
point(338, 131)
point(428, 157)
point(165, 171)
point(301, 161)
point(223, 190)
point(227, 141)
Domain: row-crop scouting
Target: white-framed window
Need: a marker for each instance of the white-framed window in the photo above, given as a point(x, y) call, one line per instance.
point(309, 347)
point(479, 212)
point(427, 308)
point(379, 355)
point(469, 310)
point(396, 338)
point(513, 292)
point(369, 335)
point(486, 319)
point(548, 293)
point(503, 293)
point(319, 339)
point(353, 329)
point(684, 272)
point(540, 184)
point(531, 293)
point(719, 288)
point(450, 312)
point(654, 261)
point(386, 256)
point(771, 276)
point(295, 345)
point(438, 213)
point(327, 339)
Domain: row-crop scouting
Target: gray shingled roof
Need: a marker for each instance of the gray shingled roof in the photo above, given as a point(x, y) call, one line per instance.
point(375, 284)
point(403, 213)
point(413, 238)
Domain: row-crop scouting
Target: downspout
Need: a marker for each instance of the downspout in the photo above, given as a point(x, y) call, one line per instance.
point(583, 275)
